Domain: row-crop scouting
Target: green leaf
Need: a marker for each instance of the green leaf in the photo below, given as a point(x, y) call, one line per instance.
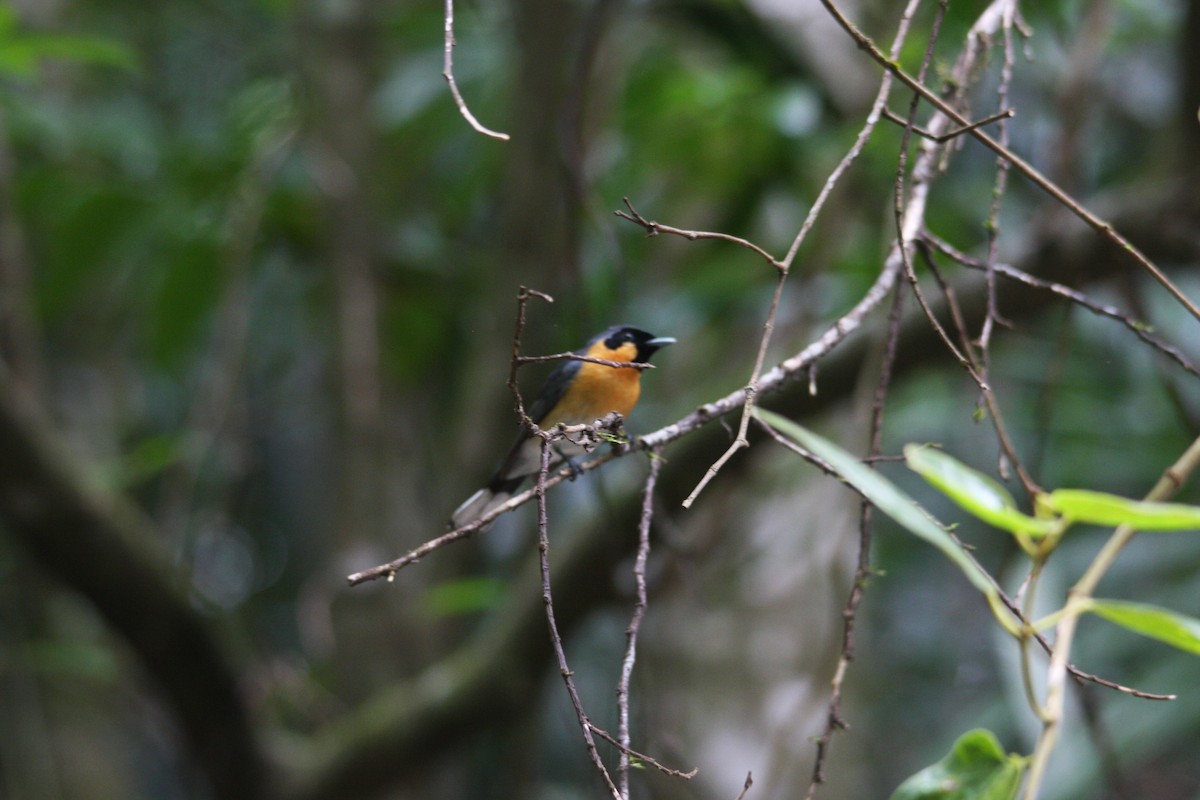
point(1177, 630)
point(976, 768)
point(884, 495)
point(974, 491)
point(93, 50)
point(465, 596)
point(73, 659)
point(187, 290)
point(1099, 508)
point(147, 458)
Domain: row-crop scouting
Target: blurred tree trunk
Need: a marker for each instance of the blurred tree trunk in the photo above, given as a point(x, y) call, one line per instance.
point(538, 217)
point(100, 545)
point(342, 52)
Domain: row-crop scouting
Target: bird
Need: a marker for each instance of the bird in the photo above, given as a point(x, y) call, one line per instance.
point(576, 392)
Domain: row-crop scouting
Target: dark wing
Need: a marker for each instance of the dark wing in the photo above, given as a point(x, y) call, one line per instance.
point(552, 391)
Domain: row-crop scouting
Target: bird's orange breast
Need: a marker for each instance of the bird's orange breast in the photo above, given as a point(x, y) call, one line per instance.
point(598, 389)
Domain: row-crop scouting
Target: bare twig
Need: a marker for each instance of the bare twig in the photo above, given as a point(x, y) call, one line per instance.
point(1008, 449)
point(900, 208)
point(964, 361)
point(905, 231)
point(547, 598)
point(523, 295)
point(862, 570)
point(1008, 17)
point(658, 765)
point(655, 228)
point(945, 137)
point(448, 74)
point(740, 441)
point(746, 786)
point(635, 622)
point(638, 365)
point(1140, 329)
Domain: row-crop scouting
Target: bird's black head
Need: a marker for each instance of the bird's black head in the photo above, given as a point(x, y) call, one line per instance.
point(646, 343)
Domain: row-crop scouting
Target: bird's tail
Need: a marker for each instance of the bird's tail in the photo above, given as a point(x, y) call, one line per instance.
point(484, 501)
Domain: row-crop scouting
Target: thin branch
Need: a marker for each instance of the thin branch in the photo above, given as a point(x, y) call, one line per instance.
point(992, 225)
point(901, 212)
point(900, 209)
point(448, 74)
point(746, 786)
point(1140, 329)
point(655, 228)
point(523, 295)
point(963, 361)
point(862, 570)
point(945, 137)
point(1102, 227)
point(635, 622)
point(638, 365)
point(740, 441)
point(547, 598)
point(1008, 449)
point(833, 718)
point(658, 765)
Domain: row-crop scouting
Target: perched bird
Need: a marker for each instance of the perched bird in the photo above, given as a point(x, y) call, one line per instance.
point(576, 392)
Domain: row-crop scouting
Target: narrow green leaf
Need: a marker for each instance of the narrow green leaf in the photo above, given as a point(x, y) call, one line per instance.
point(974, 491)
point(1177, 630)
point(20, 54)
point(883, 494)
point(976, 768)
point(92, 50)
point(1099, 508)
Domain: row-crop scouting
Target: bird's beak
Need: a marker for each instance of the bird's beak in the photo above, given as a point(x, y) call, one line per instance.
point(661, 341)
